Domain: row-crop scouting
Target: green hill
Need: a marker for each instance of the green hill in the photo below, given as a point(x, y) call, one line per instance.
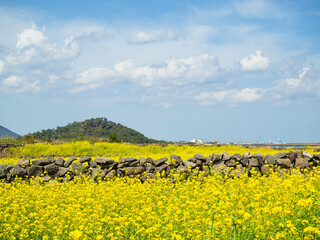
point(6, 133)
point(93, 128)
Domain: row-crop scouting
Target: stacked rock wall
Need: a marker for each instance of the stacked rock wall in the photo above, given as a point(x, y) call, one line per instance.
point(51, 168)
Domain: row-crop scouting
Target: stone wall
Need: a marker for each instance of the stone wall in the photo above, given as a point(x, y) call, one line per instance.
point(51, 168)
point(4, 147)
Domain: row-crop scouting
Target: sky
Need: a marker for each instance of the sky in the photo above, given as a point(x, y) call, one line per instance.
point(232, 71)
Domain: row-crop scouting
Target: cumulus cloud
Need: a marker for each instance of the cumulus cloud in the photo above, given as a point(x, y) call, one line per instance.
point(246, 95)
point(29, 37)
point(149, 37)
point(182, 71)
point(17, 84)
point(254, 62)
point(32, 49)
point(295, 86)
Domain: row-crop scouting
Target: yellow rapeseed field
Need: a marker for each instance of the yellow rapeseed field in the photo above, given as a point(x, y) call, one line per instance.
point(255, 207)
point(214, 207)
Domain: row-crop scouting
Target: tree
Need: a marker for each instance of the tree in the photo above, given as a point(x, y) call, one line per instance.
point(113, 138)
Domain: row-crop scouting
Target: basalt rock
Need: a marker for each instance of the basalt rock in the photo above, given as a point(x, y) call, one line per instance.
point(103, 161)
point(35, 171)
point(41, 162)
point(51, 169)
point(60, 162)
point(69, 161)
point(280, 155)
point(160, 161)
point(84, 159)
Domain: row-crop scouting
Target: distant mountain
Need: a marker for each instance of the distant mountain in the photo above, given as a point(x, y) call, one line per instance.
point(93, 128)
point(5, 132)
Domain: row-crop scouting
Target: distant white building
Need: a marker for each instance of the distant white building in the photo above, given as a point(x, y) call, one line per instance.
point(199, 141)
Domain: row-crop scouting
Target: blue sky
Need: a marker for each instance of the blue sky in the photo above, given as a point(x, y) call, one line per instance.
point(173, 70)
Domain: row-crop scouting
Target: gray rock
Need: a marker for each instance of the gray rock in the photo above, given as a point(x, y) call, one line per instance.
point(259, 157)
point(120, 172)
point(238, 171)
point(94, 173)
point(149, 160)
point(189, 164)
point(24, 162)
point(41, 162)
point(209, 161)
point(105, 161)
point(226, 157)
point(113, 165)
point(69, 161)
point(236, 157)
point(135, 163)
point(182, 169)
point(269, 160)
point(4, 169)
point(230, 163)
point(127, 160)
point(266, 169)
point(253, 162)
point(93, 164)
point(35, 171)
point(192, 159)
point(160, 168)
point(51, 169)
point(60, 162)
point(280, 155)
point(176, 160)
point(84, 159)
point(111, 174)
point(247, 155)
point(18, 171)
point(150, 167)
point(199, 157)
point(61, 172)
point(148, 176)
point(316, 156)
point(299, 153)
point(218, 166)
point(142, 161)
point(46, 178)
point(51, 159)
point(77, 168)
point(245, 161)
point(301, 163)
point(3, 173)
point(292, 156)
point(134, 170)
point(160, 161)
point(284, 162)
point(307, 155)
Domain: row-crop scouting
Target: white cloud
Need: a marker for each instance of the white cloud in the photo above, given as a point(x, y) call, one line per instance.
point(183, 71)
point(29, 37)
point(32, 49)
point(254, 62)
point(293, 85)
point(246, 95)
point(94, 75)
point(17, 84)
point(149, 37)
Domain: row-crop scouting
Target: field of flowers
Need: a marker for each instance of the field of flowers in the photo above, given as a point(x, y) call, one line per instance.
point(215, 207)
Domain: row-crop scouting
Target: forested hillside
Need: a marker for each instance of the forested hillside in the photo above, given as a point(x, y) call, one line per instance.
point(93, 128)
